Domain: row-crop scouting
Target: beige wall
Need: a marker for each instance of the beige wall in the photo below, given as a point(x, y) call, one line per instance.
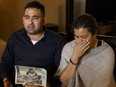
point(11, 12)
point(7, 17)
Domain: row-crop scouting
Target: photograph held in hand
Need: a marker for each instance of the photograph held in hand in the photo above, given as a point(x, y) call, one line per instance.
point(32, 75)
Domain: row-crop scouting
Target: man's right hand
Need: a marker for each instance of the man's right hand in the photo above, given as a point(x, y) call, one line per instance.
point(27, 84)
point(7, 83)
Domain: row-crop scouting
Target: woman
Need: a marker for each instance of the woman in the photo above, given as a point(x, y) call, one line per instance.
point(86, 61)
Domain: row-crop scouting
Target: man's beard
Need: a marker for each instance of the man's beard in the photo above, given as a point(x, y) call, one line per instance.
point(33, 32)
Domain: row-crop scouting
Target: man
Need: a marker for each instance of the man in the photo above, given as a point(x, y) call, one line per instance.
point(34, 46)
point(86, 61)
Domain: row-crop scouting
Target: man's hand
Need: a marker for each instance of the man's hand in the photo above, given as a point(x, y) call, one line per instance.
point(7, 83)
point(27, 84)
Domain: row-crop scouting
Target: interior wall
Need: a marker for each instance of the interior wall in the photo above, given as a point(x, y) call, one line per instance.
point(62, 15)
point(11, 13)
point(7, 17)
point(79, 7)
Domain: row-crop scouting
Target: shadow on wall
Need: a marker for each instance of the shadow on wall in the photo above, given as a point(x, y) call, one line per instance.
point(2, 46)
point(6, 25)
point(7, 17)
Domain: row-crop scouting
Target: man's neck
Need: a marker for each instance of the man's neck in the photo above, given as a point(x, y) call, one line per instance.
point(36, 37)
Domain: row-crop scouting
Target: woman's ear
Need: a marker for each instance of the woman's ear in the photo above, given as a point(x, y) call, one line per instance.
point(95, 35)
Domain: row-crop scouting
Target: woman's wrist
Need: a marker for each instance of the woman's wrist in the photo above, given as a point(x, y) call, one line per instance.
point(72, 62)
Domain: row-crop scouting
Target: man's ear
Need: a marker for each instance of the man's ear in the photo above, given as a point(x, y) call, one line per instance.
point(45, 20)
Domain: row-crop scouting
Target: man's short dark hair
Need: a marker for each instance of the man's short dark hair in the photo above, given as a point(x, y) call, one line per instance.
point(36, 4)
